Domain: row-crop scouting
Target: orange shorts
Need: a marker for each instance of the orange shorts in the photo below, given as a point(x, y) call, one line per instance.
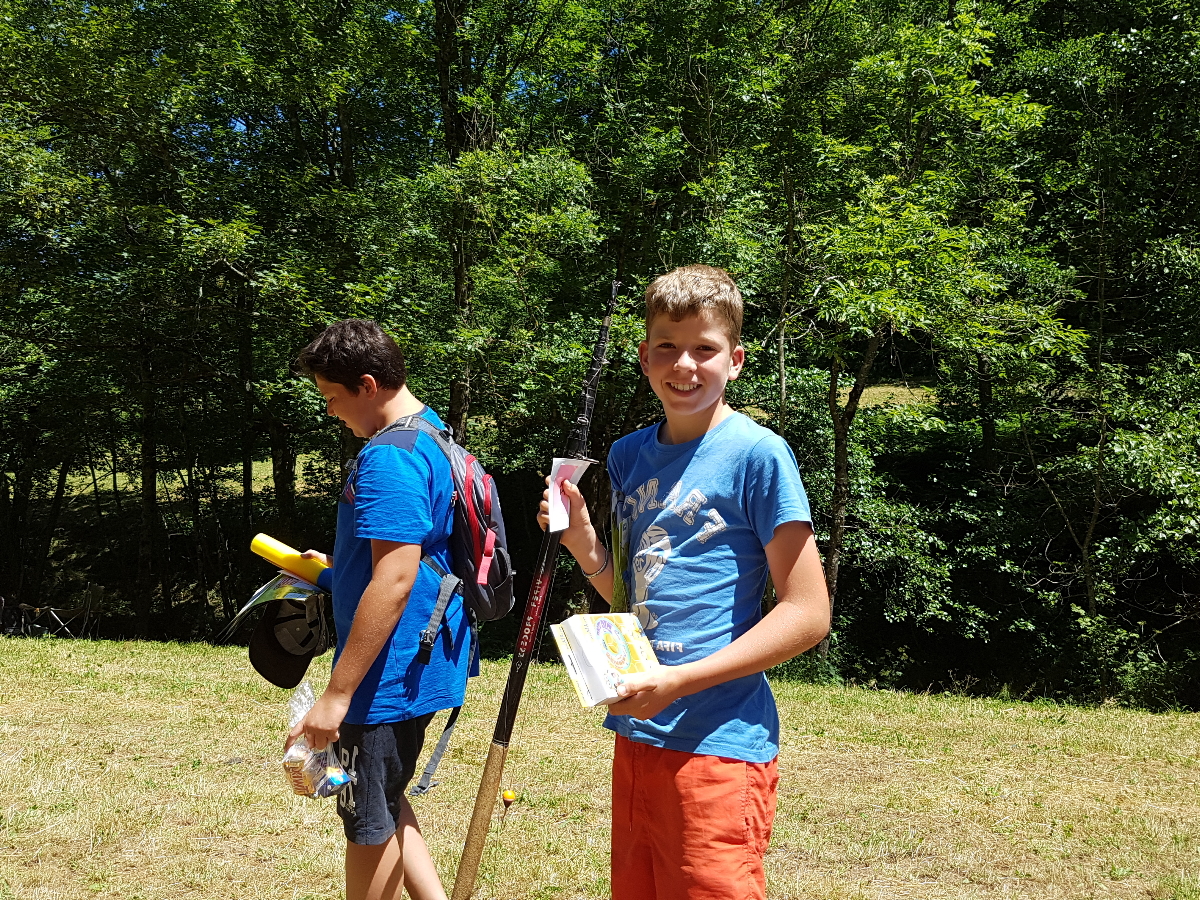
point(689, 827)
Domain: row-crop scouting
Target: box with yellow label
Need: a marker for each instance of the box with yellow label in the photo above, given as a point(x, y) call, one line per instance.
point(600, 650)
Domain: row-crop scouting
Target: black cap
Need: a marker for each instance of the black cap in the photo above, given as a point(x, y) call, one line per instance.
point(289, 634)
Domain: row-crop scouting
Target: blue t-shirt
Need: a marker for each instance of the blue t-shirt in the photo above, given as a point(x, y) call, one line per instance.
point(401, 493)
point(697, 516)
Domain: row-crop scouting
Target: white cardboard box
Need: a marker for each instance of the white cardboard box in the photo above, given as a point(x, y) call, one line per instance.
point(600, 650)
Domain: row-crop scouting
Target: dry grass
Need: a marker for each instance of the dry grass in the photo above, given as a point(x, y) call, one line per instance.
point(892, 395)
point(872, 395)
point(140, 770)
point(901, 795)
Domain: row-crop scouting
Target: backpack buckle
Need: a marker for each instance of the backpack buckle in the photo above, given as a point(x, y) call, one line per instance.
point(425, 650)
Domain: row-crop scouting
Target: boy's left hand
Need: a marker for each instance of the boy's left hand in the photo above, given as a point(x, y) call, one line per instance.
point(317, 554)
point(645, 696)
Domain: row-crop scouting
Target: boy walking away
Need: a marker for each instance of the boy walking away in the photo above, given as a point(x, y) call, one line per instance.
point(396, 507)
point(710, 503)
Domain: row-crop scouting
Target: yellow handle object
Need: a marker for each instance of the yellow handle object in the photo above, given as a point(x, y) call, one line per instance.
point(280, 554)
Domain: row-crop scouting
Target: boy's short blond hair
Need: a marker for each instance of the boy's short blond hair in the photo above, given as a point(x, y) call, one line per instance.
point(695, 290)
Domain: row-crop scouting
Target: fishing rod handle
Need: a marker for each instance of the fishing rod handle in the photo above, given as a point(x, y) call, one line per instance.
point(481, 819)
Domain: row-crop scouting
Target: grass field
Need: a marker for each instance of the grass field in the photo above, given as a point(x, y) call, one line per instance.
point(142, 770)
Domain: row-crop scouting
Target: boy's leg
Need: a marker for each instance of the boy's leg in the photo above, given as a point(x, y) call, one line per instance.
point(702, 823)
point(632, 873)
point(385, 851)
point(378, 871)
point(420, 875)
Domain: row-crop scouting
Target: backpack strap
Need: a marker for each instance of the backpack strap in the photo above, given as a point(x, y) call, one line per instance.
point(423, 786)
point(426, 782)
point(418, 422)
point(450, 584)
point(402, 424)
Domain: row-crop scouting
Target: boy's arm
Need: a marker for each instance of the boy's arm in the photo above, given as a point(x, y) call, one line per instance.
point(797, 623)
point(394, 569)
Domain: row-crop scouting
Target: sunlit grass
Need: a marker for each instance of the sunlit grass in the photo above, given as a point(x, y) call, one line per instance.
point(143, 770)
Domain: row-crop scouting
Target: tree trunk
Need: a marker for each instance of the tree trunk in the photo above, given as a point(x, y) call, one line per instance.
point(785, 296)
point(283, 475)
point(225, 559)
point(115, 487)
point(168, 571)
point(1085, 549)
point(455, 77)
point(15, 495)
point(22, 497)
point(460, 387)
point(8, 557)
point(840, 500)
point(987, 413)
point(200, 588)
point(460, 401)
point(291, 112)
point(246, 377)
point(782, 421)
point(346, 141)
point(842, 418)
point(95, 484)
point(47, 544)
point(448, 15)
point(148, 549)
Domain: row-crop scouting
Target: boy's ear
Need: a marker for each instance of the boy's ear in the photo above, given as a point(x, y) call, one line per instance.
point(368, 384)
point(644, 356)
point(737, 359)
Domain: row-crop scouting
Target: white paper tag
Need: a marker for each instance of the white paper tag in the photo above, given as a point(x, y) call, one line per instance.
point(563, 470)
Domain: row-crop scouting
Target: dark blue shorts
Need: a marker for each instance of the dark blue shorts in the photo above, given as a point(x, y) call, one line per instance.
point(381, 760)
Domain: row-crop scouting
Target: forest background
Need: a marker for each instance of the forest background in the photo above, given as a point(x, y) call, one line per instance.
point(966, 234)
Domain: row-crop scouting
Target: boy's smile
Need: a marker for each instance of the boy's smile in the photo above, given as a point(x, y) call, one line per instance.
point(688, 364)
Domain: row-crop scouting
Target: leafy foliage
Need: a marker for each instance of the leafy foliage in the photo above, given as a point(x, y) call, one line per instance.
point(993, 206)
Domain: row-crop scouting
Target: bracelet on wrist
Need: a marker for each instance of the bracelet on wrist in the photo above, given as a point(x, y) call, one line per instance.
point(607, 558)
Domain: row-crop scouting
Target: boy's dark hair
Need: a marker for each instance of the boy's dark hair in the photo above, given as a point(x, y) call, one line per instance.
point(695, 290)
point(346, 351)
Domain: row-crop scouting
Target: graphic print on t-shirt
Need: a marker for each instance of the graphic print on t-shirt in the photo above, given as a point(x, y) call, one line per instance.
point(654, 546)
point(652, 552)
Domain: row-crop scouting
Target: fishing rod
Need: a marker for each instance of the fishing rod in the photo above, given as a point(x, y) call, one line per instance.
point(493, 768)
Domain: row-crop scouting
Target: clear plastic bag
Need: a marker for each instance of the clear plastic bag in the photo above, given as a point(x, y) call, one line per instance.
point(311, 773)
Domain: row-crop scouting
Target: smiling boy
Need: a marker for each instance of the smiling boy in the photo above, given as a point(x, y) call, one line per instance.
point(711, 503)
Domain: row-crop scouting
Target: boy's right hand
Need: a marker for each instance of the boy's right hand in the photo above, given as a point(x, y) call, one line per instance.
point(320, 725)
point(578, 534)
